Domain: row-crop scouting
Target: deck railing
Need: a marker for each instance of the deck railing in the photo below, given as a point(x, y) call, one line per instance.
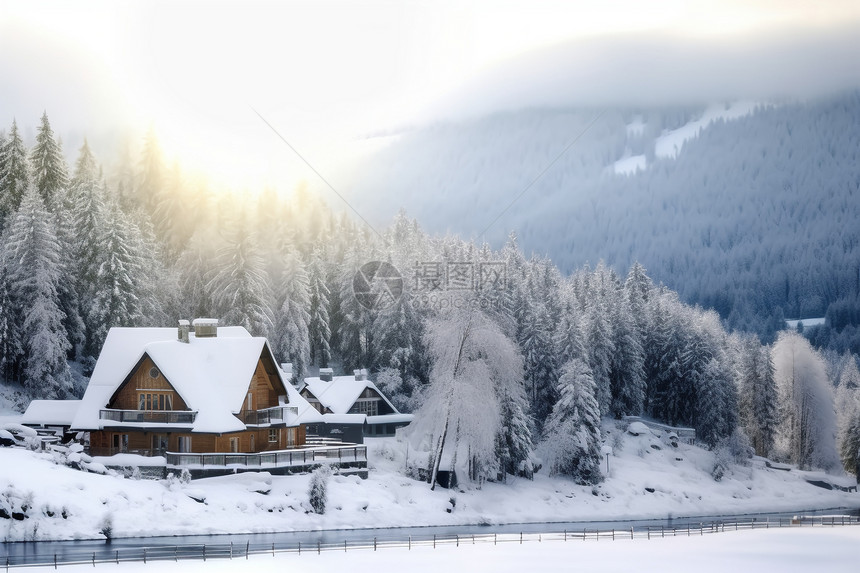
point(281, 458)
point(267, 416)
point(153, 416)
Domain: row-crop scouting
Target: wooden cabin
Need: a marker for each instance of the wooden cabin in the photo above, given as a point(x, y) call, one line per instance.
point(207, 390)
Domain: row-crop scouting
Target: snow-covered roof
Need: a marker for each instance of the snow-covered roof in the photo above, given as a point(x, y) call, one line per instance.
point(51, 412)
point(391, 419)
point(211, 374)
point(341, 393)
point(307, 414)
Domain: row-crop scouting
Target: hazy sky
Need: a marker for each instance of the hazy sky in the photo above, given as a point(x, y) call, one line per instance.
point(325, 72)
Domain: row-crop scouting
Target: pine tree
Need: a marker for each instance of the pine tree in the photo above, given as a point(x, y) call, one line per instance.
point(50, 173)
point(291, 338)
point(319, 330)
point(572, 433)
point(538, 360)
point(31, 257)
point(850, 446)
point(14, 174)
point(240, 286)
point(120, 272)
point(10, 337)
point(600, 350)
point(759, 400)
point(627, 368)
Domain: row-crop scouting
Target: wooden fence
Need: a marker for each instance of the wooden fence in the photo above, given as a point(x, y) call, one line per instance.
point(245, 550)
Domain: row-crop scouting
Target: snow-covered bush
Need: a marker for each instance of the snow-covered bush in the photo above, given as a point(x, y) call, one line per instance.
point(106, 526)
point(318, 491)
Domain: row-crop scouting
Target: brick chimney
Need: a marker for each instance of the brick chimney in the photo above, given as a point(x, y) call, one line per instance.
point(184, 327)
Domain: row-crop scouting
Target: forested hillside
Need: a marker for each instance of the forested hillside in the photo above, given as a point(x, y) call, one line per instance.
point(535, 354)
point(756, 217)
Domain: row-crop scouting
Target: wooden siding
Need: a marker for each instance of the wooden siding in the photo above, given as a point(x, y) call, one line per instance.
point(126, 396)
point(141, 441)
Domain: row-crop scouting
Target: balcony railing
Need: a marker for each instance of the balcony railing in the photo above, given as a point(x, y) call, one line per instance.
point(268, 416)
point(282, 458)
point(154, 416)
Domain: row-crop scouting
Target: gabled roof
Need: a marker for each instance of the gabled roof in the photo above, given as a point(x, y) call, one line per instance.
point(211, 374)
point(341, 393)
point(51, 412)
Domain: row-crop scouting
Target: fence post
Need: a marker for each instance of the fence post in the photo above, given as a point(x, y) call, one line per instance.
point(231, 550)
point(495, 538)
point(144, 555)
point(94, 559)
point(374, 544)
point(204, 552)
point(247, 547)
point(273, 549)
point(300, 547)
point(631, 533)
point(7, 562)
point(458, 540)
point(319, 548)
point(521, 537)
point(117, 557)
point(410, 543)
point(434, 541)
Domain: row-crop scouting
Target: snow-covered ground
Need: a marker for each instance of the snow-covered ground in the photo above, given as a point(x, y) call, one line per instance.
point(643, 482)
point(785, 550)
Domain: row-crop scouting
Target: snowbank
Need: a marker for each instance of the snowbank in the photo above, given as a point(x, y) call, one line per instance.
point(647, 478)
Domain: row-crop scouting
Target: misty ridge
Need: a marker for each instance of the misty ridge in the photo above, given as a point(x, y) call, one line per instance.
point(756, 217)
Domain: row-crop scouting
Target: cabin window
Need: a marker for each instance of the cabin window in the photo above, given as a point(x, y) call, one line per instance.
point(273, 435)
point(120, 442)
point(291, 437)
point(234, 445)
point(153, 372)
point(153, 401)
point(249, 402)
point(159, 442)
point(366, 407)
point(184, 443)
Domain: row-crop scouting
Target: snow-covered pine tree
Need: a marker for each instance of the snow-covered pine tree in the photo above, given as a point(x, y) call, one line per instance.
point(31, 257)
point(850, 445)
point(539, 360)
point(291, 337)
point(239, 285)
point(627, 368)
point(14, 174)
point(572, 431)
point(319, 330)
point(600, 348)
point(759, 400)
point(11, 347)
point(49, 169)
point(118, 279)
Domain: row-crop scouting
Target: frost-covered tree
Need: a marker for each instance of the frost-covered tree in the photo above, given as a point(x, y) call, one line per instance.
point(476, 372)
point(808, 429)
point(539, 359)
point(319, 329)
point(118, 279)
point(572, 432)
point(759, 399)
point(239, 285)
point(31, 257)
point(50, 173)
point(14, 173)
point(626, 374)
point(10, 335)
point(600, 348)
point(291, 337)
